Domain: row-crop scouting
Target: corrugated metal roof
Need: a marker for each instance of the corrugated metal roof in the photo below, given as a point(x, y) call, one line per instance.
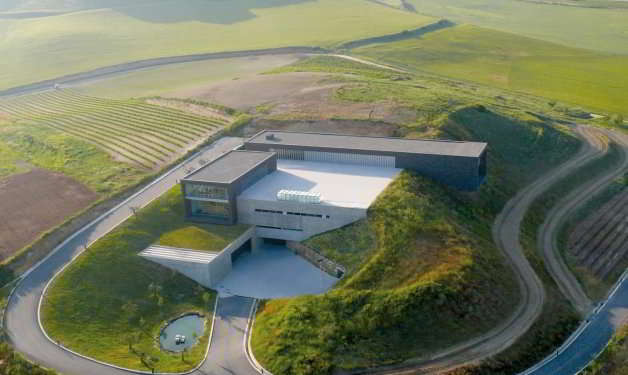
point(357, 143)
point(229, 166)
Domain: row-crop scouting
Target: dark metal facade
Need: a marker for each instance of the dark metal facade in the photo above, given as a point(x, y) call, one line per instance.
point(466, 173)
point(232, 188)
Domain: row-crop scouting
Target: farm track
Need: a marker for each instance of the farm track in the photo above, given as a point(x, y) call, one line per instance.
point(548, 231)
point(143, 134)
point(600, 242)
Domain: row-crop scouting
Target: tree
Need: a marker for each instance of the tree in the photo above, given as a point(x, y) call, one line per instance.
point(154, 290)
point(206, 298)
point(130, 309)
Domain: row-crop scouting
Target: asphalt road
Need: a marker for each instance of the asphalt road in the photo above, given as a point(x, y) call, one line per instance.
point(577, 355)
point(21, 319)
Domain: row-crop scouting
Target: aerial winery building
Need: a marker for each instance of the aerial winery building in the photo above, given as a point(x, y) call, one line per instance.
point(291, 186)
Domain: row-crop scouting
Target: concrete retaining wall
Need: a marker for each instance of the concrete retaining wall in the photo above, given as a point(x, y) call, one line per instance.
point(317, 259)
point(221, 266)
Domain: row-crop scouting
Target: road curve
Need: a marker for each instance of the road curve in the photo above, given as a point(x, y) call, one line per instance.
point(21, 319)
point(554, 262)
point(506, 230)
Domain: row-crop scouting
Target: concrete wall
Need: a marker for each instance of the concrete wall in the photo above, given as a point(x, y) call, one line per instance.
point(293, 227)
point(209, 274)
point(317, 259)
point(199, 272)
point(221, 265)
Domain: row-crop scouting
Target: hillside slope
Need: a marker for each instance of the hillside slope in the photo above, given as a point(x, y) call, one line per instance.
point(423, 271)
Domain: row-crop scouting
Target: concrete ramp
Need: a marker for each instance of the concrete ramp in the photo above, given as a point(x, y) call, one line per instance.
point(191, 263)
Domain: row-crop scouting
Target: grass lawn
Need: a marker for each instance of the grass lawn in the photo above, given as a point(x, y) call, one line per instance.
point(41, 48)
point(51, 149)
point(104, 302)
point(596, 29)
point(594, 80)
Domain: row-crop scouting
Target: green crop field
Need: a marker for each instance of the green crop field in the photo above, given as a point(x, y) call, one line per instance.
point(105, 298)
point(598, 29)
point(40, 48)
point(165, 80)
point(145, 135)
point(25, 145)
point(593, 80)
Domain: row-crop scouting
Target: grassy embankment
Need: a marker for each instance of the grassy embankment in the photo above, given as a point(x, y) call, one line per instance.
point(612, 361)
point(594, 80)
point(106, 34)
point(110, 303)
point(423, 271)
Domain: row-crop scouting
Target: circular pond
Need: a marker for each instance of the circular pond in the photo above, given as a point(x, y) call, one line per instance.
point(182, 333)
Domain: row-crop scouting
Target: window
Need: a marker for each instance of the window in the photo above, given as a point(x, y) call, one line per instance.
point(268, 211)
point(304, 214)
point(210, 209)
point(206, 192)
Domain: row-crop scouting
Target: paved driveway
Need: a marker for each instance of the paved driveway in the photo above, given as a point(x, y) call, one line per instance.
point(274, 272)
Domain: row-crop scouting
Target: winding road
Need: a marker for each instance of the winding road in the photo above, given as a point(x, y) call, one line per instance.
point(227, 356)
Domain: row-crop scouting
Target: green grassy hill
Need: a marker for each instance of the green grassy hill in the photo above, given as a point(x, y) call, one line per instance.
point(39, 48)
point(423, 272)
point(590, 79)
point(104, 305)
point(599, 29)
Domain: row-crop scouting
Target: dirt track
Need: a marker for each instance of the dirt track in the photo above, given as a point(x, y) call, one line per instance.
point(554, 263)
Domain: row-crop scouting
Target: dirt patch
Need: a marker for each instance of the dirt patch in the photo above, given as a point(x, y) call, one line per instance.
point(298, 95)
point(35, 201)
point(247, 93)
point(353, 127)
point(196, 109)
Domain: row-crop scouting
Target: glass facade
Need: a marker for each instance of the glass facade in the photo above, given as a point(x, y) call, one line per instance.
point(214, 210)
point(206, 192)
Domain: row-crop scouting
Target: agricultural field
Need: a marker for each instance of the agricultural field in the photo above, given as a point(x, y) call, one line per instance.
point(599, 29)
point(164, 80)
point(593, 80)
point(110, 303)
point(91, 34)
point(132, 131)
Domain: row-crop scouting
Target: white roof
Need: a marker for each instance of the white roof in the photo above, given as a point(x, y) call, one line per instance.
point(344, 185)
point(173, 253)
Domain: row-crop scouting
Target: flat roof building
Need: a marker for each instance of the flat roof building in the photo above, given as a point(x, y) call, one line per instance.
point(458, 164)
point(210, 192)
point(292, 185)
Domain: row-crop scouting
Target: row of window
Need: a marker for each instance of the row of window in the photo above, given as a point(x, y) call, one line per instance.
point(290, 213)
